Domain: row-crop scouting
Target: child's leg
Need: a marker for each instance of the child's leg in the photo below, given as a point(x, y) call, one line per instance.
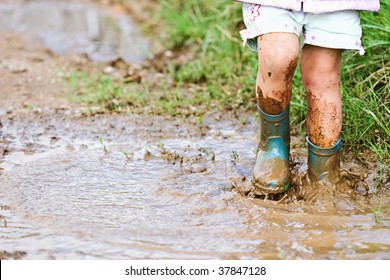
point(278, 57)
point(320, 68)
point(324, 37)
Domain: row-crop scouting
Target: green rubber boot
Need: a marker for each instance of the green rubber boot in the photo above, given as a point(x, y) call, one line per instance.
point(271, 173)
point(323, 163)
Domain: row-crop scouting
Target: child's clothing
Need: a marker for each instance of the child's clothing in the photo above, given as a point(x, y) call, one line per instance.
point(319, 6)
point(325, 23)
point(336, 30)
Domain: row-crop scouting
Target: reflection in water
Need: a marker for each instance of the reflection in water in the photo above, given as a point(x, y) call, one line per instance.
point(82, 203)
point(103, 35)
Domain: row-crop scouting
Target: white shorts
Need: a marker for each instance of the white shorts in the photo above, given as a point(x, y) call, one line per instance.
point(336, 30)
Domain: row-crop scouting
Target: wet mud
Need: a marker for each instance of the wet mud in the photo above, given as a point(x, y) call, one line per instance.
point(155, 188)
point(271, 105)
point(74, 186)
point(324, 121)
point(275, 101)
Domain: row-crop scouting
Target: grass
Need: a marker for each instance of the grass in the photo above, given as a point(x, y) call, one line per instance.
point(220, 75)
point(103, 93)
point(103, 145)
point(366, 88)
point(221, 64)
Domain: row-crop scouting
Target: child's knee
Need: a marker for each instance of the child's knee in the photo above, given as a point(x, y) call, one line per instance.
point(278, 55)
point(320, 66)
point(278, 66)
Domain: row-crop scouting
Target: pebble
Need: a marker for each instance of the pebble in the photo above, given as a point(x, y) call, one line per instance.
point(197, 168)
point(2, 151)
point(168, 53)
point(18, 68)
point(188, 170)
point(109, 70)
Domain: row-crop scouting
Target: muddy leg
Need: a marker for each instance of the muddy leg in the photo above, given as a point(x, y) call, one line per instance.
point(278, 57)
point(320, 68)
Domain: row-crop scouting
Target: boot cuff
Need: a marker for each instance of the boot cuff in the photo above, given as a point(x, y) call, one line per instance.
point(324, 151)
point(274, 118)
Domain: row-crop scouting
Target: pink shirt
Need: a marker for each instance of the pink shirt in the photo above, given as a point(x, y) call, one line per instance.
point(319, 6)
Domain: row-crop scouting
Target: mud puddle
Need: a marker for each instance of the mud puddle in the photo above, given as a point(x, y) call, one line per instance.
point(67, 27)
point(119, 187)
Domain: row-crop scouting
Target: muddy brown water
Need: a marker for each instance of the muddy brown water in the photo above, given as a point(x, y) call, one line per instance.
point(63, 27)
point(159, 188)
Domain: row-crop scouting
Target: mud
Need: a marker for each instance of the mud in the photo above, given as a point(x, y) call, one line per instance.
point(271, 105)
point(76, 186)
point(274, 170)
point(310, 189)
point(14, 255)
point(290, 70)
point(276, 101)
point(324, 121)
point(154, 188)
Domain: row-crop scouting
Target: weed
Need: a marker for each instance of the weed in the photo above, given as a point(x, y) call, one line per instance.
point(147, 155)
point(378, 214)
point(104, 146)
point(160, 145)
point(234, 155)
point(127, 156)
point(242, 121)
point(203, 151)
point(212, 157)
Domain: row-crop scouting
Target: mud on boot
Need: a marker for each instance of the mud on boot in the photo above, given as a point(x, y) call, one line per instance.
point(271, 173)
